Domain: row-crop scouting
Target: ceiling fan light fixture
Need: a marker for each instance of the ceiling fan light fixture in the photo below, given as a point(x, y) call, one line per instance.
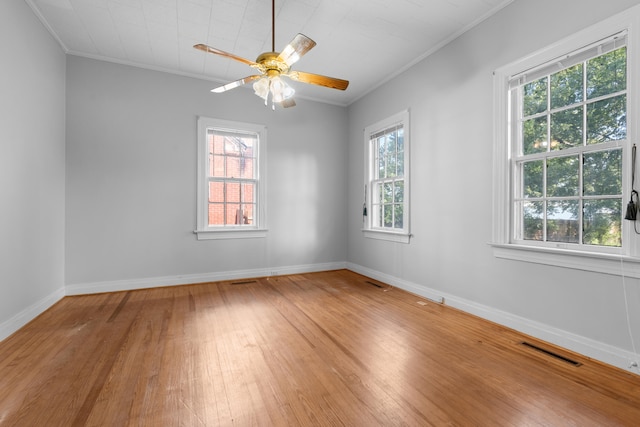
point(280, 90)
point(261, 88)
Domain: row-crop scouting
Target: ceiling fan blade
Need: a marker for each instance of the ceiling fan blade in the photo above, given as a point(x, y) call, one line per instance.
point(292, 52)
point(235, 84)
point(209, 49)
point(288, 103)
point(317, 79)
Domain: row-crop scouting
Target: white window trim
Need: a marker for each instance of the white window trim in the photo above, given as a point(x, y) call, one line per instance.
point(626, 262)
point(203, 230)
point(368, 231)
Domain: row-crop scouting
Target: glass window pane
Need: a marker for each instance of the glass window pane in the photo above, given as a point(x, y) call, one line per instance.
point(387, 192)
point(232, 146)
point(400, 141)
point(567, 86)
point(247, 146)
point(566, 129)
point(246, 168)
point(233, 192)
point(563, 176)
point(216, 192)
point(391, 142)
point(248, 192)
point(607, 120)
point(388, 215)
point(249, 210)
point(603, 222)
point(562, 221)
point(398, 196)
point(602, 173)
point(532, 178)
point(534, 133)
point(533, 220)
point(233, 167)
point(380, 146)
point(391, 165)
point(534, 96)
point(233, 214)
point(398, 218)
point(216, 214)
point(381, 168)
point(607, 73)
point(218, 143)
point(216, 167)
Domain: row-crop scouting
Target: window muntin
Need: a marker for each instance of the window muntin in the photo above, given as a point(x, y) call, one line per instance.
point(568, 143)
point(387, 179)
point(232, 177)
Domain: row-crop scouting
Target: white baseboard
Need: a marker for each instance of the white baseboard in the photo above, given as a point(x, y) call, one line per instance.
point(594, 349)
point(8, 327)
point(187, 279)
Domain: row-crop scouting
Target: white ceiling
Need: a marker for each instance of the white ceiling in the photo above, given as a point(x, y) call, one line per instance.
point(364, 41)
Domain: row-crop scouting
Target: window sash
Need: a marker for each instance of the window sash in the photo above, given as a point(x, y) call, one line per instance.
point(518, 198)
point(379, 205)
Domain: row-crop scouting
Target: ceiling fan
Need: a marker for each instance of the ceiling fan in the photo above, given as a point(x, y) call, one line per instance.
point(274, 65)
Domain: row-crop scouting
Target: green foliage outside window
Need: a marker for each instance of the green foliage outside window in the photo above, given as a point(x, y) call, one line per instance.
point(388, 203)
point(571, 191)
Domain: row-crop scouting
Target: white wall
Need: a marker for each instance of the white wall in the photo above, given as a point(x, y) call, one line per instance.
point(131, 169)
point(450, 95)
point(32, 155)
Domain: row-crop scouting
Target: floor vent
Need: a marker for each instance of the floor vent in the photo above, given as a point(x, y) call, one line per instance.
point(374, 284)
point(551, 353)
point(246, 282)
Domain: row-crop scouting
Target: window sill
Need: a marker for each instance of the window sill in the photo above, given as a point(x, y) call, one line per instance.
point(233, 233)
point(387, 235)
point(617, 265)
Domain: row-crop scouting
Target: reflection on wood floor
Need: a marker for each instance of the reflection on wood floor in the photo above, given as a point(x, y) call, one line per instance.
point(313, 349)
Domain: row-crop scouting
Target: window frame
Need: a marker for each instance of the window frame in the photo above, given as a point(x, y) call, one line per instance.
point(504, 179)
point(402, 235)
point(204, 231)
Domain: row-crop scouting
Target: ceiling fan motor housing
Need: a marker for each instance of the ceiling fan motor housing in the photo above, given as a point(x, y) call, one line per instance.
point(271, 65)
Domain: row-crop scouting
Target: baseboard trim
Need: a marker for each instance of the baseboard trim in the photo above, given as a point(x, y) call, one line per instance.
point(597, 350)
point(8, 327)
point(187, 279)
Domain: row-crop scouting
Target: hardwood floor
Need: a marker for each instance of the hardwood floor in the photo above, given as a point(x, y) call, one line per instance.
point(314, 349)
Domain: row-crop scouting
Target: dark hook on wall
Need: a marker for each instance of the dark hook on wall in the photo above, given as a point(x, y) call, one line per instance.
point(632, 206)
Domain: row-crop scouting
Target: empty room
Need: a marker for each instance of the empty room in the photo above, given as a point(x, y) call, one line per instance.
point(316, 212)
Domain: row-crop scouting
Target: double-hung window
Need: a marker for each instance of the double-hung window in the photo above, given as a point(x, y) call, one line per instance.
point(230, 179)
point(569, 131)
point(563, 152)
point(386, 209)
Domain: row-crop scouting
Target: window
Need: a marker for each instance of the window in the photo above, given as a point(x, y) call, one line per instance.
point(562, 153)
point(569, 129)
point(386, 210)
point(230, 185)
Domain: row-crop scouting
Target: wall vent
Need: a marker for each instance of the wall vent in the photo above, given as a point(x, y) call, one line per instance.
point(374, 284)
point(246, 282)
point(551, 353)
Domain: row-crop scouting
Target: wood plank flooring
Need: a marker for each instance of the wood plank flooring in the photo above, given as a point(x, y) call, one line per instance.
point(315, 349)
